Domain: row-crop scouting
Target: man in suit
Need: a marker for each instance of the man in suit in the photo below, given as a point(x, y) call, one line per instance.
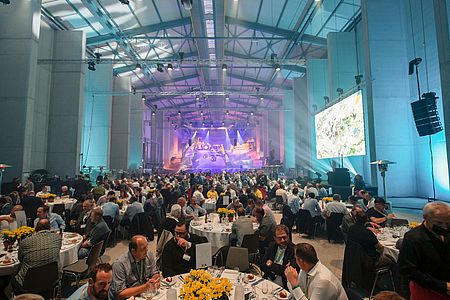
point(178, 256)
point(278, 256)
point(83, 224)
point(242, 226)
point(265, 230)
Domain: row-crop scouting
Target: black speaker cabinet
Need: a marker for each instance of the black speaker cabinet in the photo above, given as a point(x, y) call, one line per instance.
point(426, 115)
point(339, 177)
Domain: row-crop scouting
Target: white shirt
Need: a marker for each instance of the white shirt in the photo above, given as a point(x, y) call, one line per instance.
point(318, 284)
point(199, 198)
point(283, 194)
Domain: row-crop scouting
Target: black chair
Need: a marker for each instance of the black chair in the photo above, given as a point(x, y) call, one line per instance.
point(30, 206)
point(251, 242)
point(306, 223)
point(334, 232)
point(288, 219)
point(59, 209)
point(399, 222)
point(83, 267)
point(35, 283)
point(141, 225)
point(220, 257)
point(105, 240)
point(113, 227)
point(279, 201)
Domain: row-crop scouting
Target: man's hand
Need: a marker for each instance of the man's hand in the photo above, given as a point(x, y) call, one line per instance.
point(374, 230)
point(9, 219)
point(291, 275)
point(269, 263)
point(182, 242)
point(155, 280)
point(390, 216)
point(374, 225)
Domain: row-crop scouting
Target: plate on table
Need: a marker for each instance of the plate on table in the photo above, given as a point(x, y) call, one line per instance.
point(282, 295)
point(73, 241)
point(168, 281)
point(7, 262)
point(251, 277)
point(70, 235)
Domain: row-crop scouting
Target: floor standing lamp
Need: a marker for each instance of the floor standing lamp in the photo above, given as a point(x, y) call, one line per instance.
point(383, 167)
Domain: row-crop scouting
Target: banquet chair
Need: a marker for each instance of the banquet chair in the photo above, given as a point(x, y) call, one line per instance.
point(220, 257)
point(399, 222)
point(251, 242)
point(238, 258)
point(288, 219)
point(278, 202)
point(83, 267)
point(306, 223)
point(59, 209)
point(35, 283)
point(113, 227)
point(333, 224)
point(141, 225)
point(105, 240)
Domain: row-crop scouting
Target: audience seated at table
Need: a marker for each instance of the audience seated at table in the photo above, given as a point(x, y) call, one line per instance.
point(8, 222)
point(361, 235)
point(267, 210)
point(56, 221)
point(198, 195)
point(83, 224)
point(312, 205)
point(235, 204)
point(40, 249)
point(44, 191)
point(65, 192)
point(111, 209)
point(105, 198)
point(278, 256)
point(241, 226)
point(6, 205)
point(335, 206)
point(99, 232)
point(425, 254)
point(134, 272)
point(315, 281)
point(212, 194)
point(97, 287)
point(194, 208)
point(265, 230)
point(378, 213)
point(250, 207)
point(134, 208)
point(350, 219)
point(179, 253)
point(172, 220)
point(367, 201)
point(294, 201)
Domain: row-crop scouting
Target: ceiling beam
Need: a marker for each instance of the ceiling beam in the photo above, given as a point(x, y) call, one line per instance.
point(105, 38)
point(259, 81)
point(168, 81)
point(288, 34)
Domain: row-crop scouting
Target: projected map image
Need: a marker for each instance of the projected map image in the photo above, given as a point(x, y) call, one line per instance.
point(340, 129)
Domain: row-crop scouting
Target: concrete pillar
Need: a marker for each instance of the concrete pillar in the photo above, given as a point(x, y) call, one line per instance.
point(303, 152)
point(19, 37)
point(66, 104)
point(120, 125)
point(97, 116)
point(289, 130)
point(136, 123)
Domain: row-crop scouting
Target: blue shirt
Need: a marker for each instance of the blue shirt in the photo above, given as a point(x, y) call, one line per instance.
point(111, 209)
point(133, 209)
point(80, 294)
point(312, 205)
point(294, 203)
point(56, 222)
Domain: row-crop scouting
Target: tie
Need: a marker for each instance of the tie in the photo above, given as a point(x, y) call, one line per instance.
point(307, 284)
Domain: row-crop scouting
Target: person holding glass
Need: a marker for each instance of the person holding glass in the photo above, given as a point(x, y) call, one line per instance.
point(134, 272)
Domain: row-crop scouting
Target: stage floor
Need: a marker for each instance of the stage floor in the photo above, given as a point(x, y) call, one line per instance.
point(408, 208)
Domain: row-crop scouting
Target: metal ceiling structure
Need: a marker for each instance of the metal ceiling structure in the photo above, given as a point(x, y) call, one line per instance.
point(251, 36)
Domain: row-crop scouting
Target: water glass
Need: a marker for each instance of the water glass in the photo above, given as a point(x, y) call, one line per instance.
point(265, 287)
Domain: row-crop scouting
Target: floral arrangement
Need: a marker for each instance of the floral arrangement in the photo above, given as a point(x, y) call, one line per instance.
point(46, 196)
point(327, 199)
point(413, 224)
point(200, 285)
point(222, 212)
point(231, 213)
point(18, 234)
point(120, 202)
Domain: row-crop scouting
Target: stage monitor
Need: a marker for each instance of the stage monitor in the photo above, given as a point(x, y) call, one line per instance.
point(340, 129)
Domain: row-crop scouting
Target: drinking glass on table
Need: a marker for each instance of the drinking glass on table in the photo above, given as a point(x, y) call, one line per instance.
point(265, 287)
point(150, 293)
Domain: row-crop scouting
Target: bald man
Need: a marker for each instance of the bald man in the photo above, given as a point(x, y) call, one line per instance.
point(425, 254)
point(135, 271)
point(99, 232)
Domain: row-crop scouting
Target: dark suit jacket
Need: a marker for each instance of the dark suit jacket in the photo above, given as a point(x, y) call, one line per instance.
point(172, 257)
point(276, 269)
point(168, 224)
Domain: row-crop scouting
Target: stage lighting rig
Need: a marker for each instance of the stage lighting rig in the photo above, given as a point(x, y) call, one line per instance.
point(340, 91)
point(125, 2)
point(187, 4)
point(159, 67)
point(5, 2)
point(91, 66)
point(326, 99)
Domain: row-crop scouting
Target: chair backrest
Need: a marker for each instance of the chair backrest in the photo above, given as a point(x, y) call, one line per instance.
point(251, 242)
point(279, 200)
point(105, 240)
point(399, 222)
point(238, 258)
point(334, 222)
point(59, 209)
point(141, 225)
point(358, 267)
point(94, 254)
point(164, 237)
point(304, 220)
point(34, 282)
point(109, 221)
point(220, 257)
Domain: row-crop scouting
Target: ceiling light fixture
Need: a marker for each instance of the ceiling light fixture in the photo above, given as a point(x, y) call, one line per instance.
point(224, 67)
point(251, 113)
point(169, 67)
point(227, 97)
point(159, 67)
point(125, 2)
point(201, 113)
point(179, 113)
point(262, 98)
point(153, 113)
point(187, 4)
point(277, 67)
point(91, 66)
point(138, 66)
point(227, 112)
point(273, 56)
point(197, 97)
point(143, 97)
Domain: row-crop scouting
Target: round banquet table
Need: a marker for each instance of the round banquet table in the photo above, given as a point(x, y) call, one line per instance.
point(68, 254)
point(253, 286)
point(68, 203)
point(218, 234)
point(388, 238)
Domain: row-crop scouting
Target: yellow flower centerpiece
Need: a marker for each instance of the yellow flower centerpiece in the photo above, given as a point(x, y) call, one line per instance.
point(222, 212)
point(327, 199)
point(231, 213)
point(200, 285)
point(23, 232)
point(413, 224)
point(46, 196)
point(120, 203)
point(9, 236)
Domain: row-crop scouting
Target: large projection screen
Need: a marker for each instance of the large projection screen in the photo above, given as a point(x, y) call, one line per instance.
point(340, 129)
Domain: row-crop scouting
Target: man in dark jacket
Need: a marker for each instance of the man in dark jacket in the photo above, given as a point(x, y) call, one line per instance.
point(178, 256)
point(278, 256)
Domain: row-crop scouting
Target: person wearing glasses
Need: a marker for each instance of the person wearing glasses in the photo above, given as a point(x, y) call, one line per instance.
point(278, 256)
point(178, 256)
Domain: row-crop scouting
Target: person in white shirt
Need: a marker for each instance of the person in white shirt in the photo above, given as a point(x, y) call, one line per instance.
point(281, 192)
point(198, 195)
point(311, 189)
point(315, 281)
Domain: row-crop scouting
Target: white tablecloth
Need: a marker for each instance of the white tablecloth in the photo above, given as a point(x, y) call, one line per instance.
point(68, 203)
point(210, 205)
point(255, 285)
point(68, 255)
point(218, 234)
point(388, 238)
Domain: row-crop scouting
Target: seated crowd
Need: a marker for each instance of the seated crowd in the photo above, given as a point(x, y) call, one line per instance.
point(170, 202)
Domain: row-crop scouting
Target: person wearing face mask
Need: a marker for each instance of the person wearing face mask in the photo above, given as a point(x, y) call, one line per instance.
point(278, 256)
point(425, 254)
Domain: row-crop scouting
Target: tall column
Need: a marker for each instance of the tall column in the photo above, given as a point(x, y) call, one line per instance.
point(303, 152)
point(66, 104)
point(289, 130)
point(120, 125)
point(19, 38)
point(442, 21)
point(97, 116)
point(136, 123)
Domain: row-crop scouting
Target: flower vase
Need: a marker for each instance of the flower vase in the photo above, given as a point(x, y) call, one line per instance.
point(120, 206)
point(7, 245)
point(230, 219)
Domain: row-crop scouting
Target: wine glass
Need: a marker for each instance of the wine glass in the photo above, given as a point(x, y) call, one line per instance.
point(264, 288)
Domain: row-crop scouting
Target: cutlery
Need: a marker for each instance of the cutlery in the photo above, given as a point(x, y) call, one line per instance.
point(181, 278)
point(257, 281)
point(277, 290)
